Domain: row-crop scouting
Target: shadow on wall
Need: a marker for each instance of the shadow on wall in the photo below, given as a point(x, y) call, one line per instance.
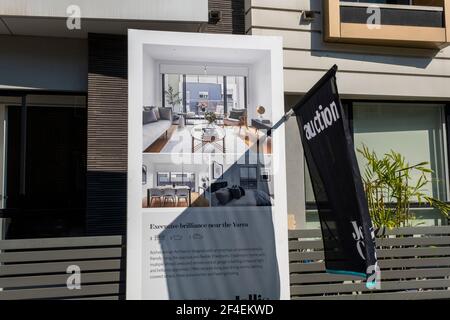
point(397, 56)
point(106, 203)
point(238, 16)
point(238, 261)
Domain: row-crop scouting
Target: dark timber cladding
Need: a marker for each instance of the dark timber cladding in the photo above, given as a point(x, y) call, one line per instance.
point(107, 135)
point(233, 16)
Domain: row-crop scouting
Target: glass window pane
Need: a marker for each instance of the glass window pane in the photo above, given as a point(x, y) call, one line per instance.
point(176, 177)
point(204, 93)
point(163, 177)
point(413, 130)
point(252, 173)
point(426, 217)
point(235, 93)
point(173, 91)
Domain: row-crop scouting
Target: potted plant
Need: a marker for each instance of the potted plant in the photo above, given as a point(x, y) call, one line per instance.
point(211, 117)
point(390, 190)
point(173, 98)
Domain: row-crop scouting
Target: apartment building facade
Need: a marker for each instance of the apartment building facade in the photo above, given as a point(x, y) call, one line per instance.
point(393, 78)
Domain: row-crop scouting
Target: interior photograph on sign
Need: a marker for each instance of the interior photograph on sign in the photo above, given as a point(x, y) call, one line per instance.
point(199, 107)
point(214, 105)
point(206, 180)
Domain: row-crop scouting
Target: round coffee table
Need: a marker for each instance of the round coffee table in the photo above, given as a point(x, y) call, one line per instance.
point(204, 134)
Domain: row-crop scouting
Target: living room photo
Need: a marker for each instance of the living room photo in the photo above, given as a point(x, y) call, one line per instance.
point(193, 104)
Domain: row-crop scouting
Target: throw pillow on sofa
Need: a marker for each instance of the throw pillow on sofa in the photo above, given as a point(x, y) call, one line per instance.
point(156, 110)
point(223, 196)
point(149, 117)
point(235, 192)
point(165, 113)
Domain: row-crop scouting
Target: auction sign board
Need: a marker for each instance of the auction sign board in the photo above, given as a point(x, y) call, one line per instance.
point(207, 208)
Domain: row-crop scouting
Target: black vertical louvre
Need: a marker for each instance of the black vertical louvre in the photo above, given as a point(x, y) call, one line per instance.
point(107, 135)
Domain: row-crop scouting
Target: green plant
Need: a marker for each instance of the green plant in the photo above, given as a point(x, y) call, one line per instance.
point(173, 98)
point(211, 117)
point(389, 189)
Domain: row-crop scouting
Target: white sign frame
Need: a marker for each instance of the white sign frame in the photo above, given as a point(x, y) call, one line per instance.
point(268, 47)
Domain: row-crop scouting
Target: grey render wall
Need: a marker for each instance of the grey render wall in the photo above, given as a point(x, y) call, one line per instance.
point(43, 63)
point(364, 72)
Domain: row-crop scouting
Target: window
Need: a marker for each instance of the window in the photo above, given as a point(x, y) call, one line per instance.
point(185, 179)
point(173, 92)
point(43, 160)
point(236, 93)
point(417, 131)
point(163, 179)
point(248, 177)
point(200, 93)
point(203, 94)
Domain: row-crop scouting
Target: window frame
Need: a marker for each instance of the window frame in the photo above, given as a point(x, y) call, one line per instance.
point(185, 96)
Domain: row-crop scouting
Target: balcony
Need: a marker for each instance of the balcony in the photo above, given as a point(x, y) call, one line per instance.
point(404, 23)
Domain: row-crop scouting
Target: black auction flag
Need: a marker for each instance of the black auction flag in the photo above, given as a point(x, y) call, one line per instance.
point(347, 231)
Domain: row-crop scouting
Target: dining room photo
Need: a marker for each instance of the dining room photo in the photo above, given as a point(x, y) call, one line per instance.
point(175, 181)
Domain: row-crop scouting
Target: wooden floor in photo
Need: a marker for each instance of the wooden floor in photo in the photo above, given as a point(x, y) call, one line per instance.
point(248, 135)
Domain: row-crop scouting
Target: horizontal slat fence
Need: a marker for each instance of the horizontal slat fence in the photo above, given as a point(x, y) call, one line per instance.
point(38, 268)
point(414, 262)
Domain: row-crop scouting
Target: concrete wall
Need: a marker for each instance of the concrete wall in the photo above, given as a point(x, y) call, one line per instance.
point(43, 63)
point(364, 72)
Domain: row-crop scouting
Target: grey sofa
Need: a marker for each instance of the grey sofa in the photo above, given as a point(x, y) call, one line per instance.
point(152, 129)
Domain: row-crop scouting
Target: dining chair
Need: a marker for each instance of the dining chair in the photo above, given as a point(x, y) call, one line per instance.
point(183, 194)
point(155, 194)
point(168, 196)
